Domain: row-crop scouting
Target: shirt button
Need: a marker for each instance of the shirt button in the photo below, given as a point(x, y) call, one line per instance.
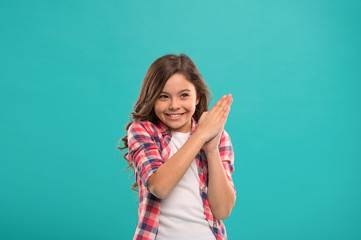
point(203, 188)
point(214, 225)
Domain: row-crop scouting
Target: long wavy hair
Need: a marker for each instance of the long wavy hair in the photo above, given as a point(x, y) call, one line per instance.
point(155, 78)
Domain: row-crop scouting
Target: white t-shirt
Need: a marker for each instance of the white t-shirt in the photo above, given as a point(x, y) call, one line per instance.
point(182, 212)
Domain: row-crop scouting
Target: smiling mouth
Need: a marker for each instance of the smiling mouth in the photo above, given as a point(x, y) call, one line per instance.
point(174, 116)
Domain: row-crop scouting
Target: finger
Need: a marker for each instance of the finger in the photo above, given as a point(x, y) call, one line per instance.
point(228, 108)
point(218, 104)
point(220, 101)
point(225, 113)
point(224, 103)
point(220, 108)
point(230, 101)
point(227, 103)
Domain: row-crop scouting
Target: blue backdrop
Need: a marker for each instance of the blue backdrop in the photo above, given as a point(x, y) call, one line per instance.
point(71, 72)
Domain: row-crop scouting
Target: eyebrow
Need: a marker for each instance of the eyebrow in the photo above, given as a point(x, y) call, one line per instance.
point(183, 90)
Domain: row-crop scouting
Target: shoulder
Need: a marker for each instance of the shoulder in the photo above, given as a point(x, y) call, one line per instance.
point(143, 129)
point(142, 134)
point(142, 126)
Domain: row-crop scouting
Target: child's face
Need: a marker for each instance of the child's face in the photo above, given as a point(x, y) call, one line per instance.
point(177, 103)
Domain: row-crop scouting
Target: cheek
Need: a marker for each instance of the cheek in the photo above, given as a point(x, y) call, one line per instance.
point(191, 106)
point(158, 108)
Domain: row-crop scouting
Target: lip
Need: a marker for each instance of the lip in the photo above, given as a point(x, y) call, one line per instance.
point(170, 117)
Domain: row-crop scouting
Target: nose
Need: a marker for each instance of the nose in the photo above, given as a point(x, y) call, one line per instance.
point(174, 104)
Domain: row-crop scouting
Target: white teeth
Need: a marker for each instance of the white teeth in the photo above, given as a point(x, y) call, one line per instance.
point(174, 115)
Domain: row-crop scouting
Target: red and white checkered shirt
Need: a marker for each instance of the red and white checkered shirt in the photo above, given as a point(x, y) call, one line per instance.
point(148, 149)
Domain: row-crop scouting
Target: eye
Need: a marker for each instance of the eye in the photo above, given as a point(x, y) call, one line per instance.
point(184, 95)
point(163, 96)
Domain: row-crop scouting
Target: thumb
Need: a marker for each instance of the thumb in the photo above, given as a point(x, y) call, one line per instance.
point(203, 116)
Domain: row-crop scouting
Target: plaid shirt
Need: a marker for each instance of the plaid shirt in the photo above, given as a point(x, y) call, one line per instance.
point(148, 149)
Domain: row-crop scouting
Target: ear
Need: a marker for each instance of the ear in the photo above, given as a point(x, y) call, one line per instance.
point(197, 101)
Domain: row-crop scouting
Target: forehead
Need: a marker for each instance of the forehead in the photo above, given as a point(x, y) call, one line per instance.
point(178, 82)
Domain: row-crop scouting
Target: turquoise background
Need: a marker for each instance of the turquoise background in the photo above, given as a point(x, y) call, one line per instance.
point(71, 72)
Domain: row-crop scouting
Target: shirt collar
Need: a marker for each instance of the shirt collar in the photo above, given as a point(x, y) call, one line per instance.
point(166, 131)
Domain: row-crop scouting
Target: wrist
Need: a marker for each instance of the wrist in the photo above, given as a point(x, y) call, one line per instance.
point(198, 134)
point(211, 152)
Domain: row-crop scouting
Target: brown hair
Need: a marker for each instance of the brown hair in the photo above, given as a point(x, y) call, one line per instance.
point(155, 78)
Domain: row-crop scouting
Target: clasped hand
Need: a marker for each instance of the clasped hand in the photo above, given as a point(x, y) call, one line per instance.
point(212, 122)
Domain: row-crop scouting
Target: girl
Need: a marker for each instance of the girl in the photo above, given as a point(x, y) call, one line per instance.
point(181, 155)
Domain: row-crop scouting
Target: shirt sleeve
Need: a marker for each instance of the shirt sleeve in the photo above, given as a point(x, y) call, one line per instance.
point(227, 156)
point(143, 151)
